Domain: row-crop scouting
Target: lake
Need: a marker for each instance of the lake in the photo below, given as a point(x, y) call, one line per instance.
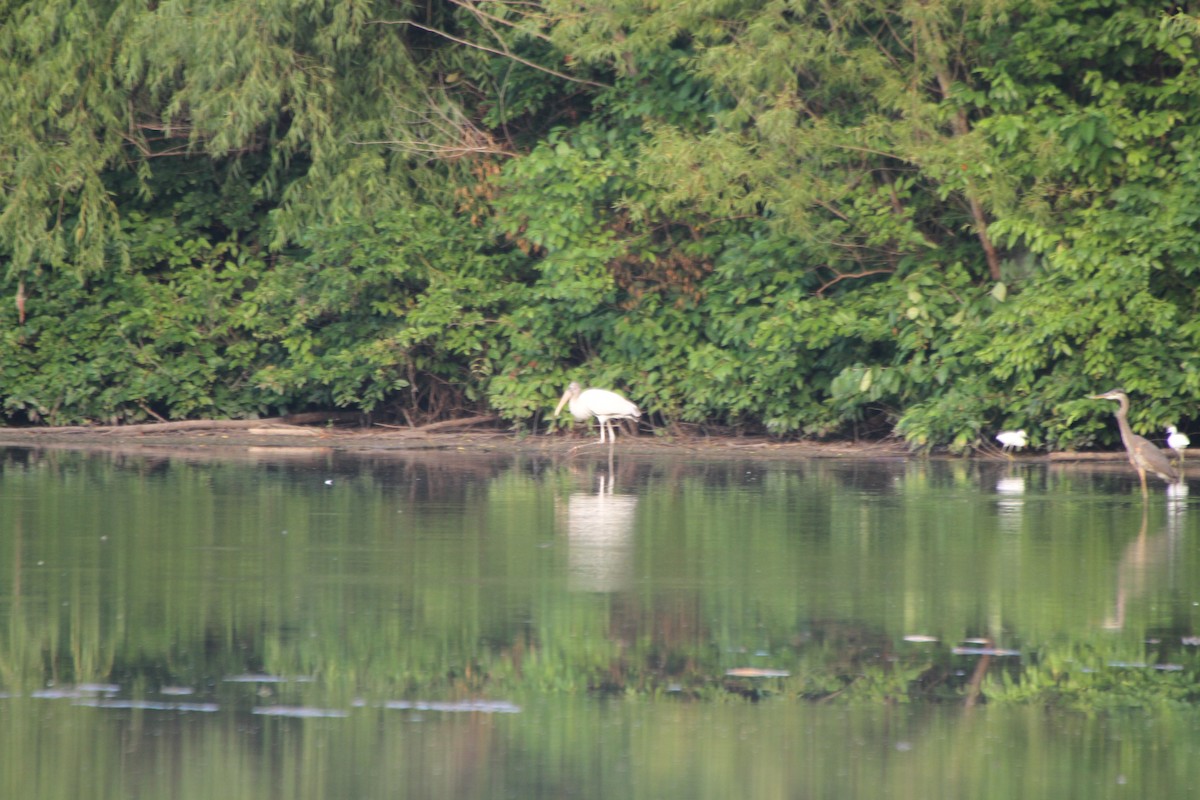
point(312, 624)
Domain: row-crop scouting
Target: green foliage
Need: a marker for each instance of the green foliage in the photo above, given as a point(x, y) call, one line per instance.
point(88, 89)
point(386, 313)
point(1099, 677)
point(937, 219)
point(129, 346)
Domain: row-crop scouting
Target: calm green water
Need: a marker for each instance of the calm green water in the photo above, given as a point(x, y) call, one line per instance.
point(464, 625)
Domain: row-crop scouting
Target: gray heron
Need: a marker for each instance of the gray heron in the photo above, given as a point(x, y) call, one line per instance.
point(1143, 455)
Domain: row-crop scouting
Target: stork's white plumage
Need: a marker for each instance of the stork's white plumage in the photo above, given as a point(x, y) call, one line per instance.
point(1012, 439)
point(602, 404)
point(1177, 441)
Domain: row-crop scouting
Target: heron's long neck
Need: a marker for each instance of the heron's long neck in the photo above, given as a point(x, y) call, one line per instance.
point(1123, 424)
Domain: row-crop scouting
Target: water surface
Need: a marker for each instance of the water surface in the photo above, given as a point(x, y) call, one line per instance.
point(464, 625)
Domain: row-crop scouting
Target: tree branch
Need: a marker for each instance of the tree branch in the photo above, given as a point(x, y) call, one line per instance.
point(494, 51)
point(844, 275)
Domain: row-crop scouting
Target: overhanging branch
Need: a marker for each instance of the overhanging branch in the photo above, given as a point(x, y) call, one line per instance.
point(494, 51)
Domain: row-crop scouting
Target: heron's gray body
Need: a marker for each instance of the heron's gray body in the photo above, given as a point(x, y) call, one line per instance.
point(1143, 454)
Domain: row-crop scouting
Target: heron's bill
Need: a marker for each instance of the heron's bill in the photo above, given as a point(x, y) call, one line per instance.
point(566, 396)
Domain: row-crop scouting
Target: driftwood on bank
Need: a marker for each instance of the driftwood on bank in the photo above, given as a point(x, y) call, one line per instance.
point(204, 424)
point(1118, 455)
point(447, 424)
point(267, 425)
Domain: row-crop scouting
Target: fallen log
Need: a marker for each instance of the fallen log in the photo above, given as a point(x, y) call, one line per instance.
point(446, 424)
point(314, 417)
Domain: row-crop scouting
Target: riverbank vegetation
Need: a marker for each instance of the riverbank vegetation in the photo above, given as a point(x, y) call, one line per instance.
point(936, 219)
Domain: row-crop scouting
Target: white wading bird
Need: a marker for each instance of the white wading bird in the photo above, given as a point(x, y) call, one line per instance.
point(1178, 442)
point(1012, 440)
point(602, 404)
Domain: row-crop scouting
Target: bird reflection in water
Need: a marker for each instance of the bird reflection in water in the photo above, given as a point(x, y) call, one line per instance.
point(1177, 496)
point(1011, 502)
point(1146, 564)
point(600, 539)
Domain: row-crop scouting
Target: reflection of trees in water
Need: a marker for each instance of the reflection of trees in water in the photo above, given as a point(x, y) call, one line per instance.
point(651, 568)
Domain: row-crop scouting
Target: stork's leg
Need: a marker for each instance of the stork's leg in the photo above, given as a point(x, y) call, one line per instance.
point(1142, 475)
point(601, 420)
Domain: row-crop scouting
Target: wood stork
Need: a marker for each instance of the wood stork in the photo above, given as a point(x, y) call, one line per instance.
point(602, 404)
point(1143, 455)
point(1178, 442)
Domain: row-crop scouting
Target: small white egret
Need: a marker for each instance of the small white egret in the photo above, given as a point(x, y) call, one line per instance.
point(1143, 455)
point(1177, 441)
point(1012, 440)
point(602, 404)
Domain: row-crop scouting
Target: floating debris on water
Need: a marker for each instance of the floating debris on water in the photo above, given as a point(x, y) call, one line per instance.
point(255, 678)
point(86, 690)
point(176, 691)
point(105, 688)
point(304, 712)
point(756, 672)
point(485, 706)
point(920, 638)
point(1144, 665)
point(147, 705)
point(983, 651)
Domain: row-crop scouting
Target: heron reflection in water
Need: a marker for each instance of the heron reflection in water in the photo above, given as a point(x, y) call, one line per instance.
point(1148, 564)
point(1143, 455)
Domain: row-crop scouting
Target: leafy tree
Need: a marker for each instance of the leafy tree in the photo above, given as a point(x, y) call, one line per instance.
point(92, 91)
point(937, 218)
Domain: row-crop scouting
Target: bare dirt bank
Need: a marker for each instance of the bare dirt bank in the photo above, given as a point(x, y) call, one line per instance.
point(277, 436)
point(229, 437)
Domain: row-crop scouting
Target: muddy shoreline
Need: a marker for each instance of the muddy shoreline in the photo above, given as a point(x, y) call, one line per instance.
point(213, 438)
point(379, 440)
